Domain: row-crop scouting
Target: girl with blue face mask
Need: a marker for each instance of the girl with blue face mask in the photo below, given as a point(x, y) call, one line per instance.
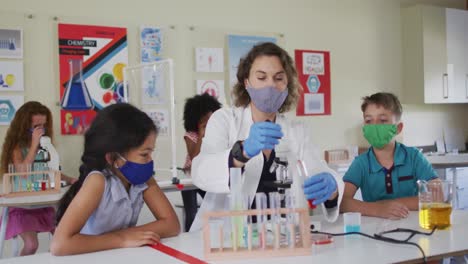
point(101, 209)
point(245, 136)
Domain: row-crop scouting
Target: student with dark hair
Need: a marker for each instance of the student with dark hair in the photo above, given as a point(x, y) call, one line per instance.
point(197, 111)
point(101, 209)
point(388, 172)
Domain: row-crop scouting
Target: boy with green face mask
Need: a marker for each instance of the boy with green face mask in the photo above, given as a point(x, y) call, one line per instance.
point(387, 173)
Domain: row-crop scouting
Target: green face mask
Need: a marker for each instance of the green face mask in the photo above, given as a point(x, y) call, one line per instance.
point(379, 135)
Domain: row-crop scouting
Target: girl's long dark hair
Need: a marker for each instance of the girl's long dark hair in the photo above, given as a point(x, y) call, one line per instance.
point(117, 128)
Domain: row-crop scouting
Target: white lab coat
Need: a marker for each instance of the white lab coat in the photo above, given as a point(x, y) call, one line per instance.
point(210, 169)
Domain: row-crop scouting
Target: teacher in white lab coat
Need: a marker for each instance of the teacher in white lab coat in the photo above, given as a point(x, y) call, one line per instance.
point(245, 136)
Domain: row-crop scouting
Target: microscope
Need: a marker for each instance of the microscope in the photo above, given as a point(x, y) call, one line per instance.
point(50, 156)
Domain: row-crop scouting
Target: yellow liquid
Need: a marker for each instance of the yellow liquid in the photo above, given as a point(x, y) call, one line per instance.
point(435, 214)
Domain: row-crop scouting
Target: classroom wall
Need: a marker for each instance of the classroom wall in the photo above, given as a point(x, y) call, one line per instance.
point(363, 38)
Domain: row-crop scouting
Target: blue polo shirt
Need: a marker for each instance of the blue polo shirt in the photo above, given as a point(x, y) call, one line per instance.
point(378, 183)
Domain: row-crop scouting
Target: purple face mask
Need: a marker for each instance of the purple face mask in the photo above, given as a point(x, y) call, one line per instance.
point(267, 99)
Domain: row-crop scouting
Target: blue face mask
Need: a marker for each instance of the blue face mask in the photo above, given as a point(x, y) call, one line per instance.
point(31, 130)
point(137, 173)
point(267, 99)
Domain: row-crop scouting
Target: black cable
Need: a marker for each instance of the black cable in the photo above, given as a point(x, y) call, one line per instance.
point(380, 237)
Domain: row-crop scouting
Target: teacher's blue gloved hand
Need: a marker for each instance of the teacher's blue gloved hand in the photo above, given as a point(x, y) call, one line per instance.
point(263, 135)
point(319, 187)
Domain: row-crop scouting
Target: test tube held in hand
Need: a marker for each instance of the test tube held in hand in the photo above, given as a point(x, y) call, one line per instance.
point(304, 174)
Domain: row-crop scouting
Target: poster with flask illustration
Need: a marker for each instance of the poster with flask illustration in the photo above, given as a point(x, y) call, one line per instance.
point(91, 62)
point(11, 43)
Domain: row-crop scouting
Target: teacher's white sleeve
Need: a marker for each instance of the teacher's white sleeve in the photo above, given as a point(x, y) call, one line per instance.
point(315, 164)
point(331, 214)
point(210, 169)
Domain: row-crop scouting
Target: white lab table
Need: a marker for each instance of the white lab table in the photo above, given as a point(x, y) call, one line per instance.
point(442, 243)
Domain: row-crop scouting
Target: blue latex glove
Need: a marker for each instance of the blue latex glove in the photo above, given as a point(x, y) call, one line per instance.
point(263, 135)
point(319, 187)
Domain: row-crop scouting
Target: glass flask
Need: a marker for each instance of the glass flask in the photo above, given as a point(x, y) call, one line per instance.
point(76, 96)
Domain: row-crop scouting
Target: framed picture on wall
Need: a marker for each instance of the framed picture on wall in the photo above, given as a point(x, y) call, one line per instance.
point(11, 43)
point(8, 107)
point(11, 76)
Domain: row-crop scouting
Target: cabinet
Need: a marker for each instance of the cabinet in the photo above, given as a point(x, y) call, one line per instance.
point(435, 55)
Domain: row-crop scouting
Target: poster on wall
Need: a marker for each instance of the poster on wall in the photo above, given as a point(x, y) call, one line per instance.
point(160, 118)
point(313, 69)
point(151, 43)
point(209, 60)
point(153, 85)
point(238, 47)
point(8, 107)
point(91, 62)
point(214, 88)
point(11, 43)
point(11, 76)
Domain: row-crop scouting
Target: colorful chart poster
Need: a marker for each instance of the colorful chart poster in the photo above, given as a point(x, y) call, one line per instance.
point(11, 76)
point(209, 60)
point(212, 87)
point(238, 47)
point(8, 107)
point(11, 43)
point(151, 43)
point(91, 62)
point(313, 69)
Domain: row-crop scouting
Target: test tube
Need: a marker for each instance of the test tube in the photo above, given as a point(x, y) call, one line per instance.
point(13, 179)
point(290, 219)
point(236, 204)
point(303, 171)
point(29, 177)
point(50, 177)
point(261, 205)
point(248, 224)
point(275, 204)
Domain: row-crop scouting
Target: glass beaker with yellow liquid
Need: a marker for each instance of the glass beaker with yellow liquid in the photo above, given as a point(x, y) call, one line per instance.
point(435, 203)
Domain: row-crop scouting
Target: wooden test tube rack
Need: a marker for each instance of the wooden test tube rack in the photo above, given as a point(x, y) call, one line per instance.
point(8, 184)
point(302, 247)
